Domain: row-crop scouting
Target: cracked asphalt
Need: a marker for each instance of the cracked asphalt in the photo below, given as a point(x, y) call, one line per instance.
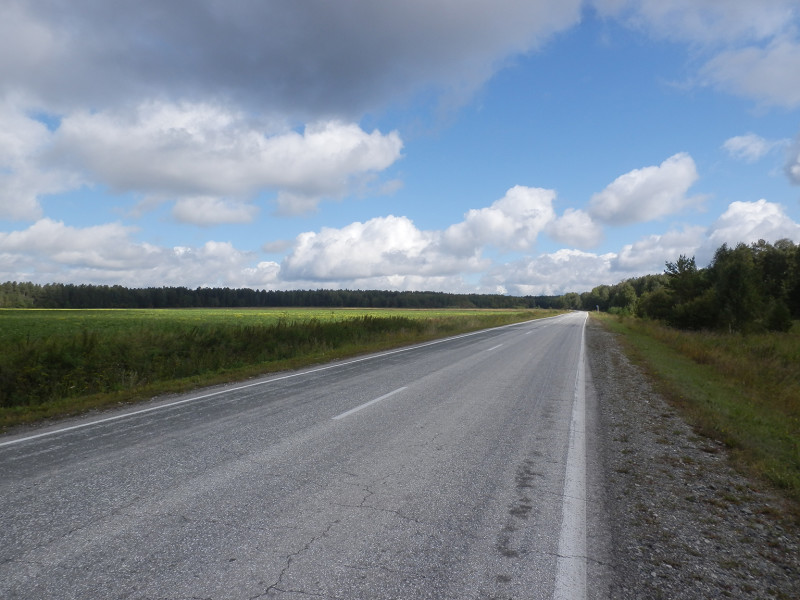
point(451, 487)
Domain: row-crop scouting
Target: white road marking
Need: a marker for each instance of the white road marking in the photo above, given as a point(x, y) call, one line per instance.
point(249, 385)
point(571, 564)
point(494, 347)
point(366, 404)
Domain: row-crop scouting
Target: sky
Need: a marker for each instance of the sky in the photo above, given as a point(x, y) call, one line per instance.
point(523, 147)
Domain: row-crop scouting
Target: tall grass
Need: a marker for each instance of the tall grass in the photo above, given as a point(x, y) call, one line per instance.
point(741, 390)
point(117, 356)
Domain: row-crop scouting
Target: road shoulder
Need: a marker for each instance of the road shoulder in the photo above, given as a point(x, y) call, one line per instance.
point(682, 523)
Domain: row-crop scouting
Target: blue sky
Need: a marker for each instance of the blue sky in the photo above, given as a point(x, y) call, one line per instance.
point(522, 147)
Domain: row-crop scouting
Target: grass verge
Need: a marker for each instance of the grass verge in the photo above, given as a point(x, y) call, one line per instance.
point(61, 364)
point(741, 390)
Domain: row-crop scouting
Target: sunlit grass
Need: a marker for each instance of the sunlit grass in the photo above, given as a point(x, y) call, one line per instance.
point(59, 362)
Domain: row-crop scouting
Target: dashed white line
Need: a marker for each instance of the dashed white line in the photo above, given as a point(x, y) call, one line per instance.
point(366, 404)
point(494, 348)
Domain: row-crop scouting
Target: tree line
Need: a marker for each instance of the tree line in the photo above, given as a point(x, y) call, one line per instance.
point(745, 288)
point(61, 295)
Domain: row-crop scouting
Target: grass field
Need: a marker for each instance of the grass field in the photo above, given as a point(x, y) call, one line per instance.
point(62, 362)
point(741, 390)
point(16, 324)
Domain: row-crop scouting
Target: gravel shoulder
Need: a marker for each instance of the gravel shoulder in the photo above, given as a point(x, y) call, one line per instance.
point(680, 521)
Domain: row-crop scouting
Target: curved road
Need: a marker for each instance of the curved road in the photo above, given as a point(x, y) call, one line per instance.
point(454, 469)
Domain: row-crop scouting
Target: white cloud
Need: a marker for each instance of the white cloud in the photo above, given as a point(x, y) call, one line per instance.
point(571, 270)
point(748, 222)
point(706, 21)
point(753, 46)
point(406, 282)
point(769, 75)
point(575, 228)
point(204, 210)
point(511, 223)
point(792, 167)
point(391, 253)
point(552, 274)
point(395, 247)
point(648, 193)
point(50, 251)
point(380, 247)
point(22, 181)
point(101, 247)
point(201, 150)
point(649, 254)
point(744, 222)
point(383, 253)
point(749, 147)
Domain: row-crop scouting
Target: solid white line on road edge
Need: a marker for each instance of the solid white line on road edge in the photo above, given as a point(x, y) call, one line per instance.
point(366, 404)
point(571, 564)
point(257, 383)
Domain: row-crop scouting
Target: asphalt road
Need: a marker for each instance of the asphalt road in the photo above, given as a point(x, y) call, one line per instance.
point(454, 469)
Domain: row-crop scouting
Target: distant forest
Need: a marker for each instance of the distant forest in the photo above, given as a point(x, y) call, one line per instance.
point(745, 288)
point(59, 295)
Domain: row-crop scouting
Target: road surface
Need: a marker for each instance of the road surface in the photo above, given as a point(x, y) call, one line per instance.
point(454, 469)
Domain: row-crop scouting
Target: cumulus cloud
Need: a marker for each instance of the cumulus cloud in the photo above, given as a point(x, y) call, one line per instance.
point(648, 193)
point(575, 228)
point(555, 273)
point(649, 254)
point(383, 253)
point(100, 247)
point(393, 253)
point(512, 223)
point(50, 251)
point(22, 180)
point(749, 222)
point(395, 247)
point(570, 270)
point(749, 147)
point(210, 159)
point(157, 99)
point(202, 150)
point(380, 247)
point(364, 54)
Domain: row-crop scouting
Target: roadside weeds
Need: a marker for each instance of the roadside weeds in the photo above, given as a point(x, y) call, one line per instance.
point(684, 522)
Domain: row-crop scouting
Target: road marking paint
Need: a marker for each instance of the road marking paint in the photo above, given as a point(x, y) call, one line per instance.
point(366, 404)
point(571, 563)
point(249, 385)
point(494, 347)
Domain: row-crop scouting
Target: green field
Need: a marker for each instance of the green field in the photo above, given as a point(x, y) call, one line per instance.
point(60, 362)
point(17, 324)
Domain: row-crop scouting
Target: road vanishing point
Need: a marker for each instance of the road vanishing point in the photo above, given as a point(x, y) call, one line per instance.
point(454, 469)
